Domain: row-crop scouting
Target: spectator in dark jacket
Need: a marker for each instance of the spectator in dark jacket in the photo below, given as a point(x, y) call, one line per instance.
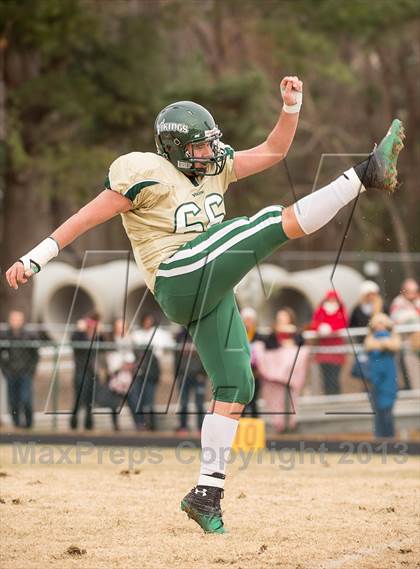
point(191, 379)
point(18, 363)
point(382, 344)
point(370, 303)
point(149, 342)
point(85, 338)
point(250, 319)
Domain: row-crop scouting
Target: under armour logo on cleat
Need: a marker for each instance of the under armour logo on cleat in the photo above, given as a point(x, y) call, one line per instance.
point(203, 492)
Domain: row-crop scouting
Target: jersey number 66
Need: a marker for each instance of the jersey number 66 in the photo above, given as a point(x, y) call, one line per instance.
point(186, 212)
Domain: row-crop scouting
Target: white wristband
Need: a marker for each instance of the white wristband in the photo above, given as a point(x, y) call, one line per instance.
point(296, 107)
point(291, 108)
point(40, 255)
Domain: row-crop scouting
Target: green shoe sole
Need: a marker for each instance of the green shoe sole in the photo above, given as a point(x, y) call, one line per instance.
point(386, 155)
point(207, 523)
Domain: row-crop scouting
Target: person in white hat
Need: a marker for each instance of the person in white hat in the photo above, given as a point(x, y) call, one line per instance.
point(370, 303)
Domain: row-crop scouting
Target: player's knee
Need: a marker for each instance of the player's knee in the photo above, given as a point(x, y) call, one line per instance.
point(246, 390)
point(241, 391)
point(290, 224)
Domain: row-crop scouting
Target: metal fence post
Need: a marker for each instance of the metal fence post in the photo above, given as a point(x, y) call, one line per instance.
point(55, 389)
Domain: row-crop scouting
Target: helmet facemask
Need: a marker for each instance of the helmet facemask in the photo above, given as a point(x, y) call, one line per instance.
point(214, 164)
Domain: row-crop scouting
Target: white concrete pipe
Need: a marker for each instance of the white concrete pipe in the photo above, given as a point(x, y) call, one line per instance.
point(103, 288)
point(140, 301)
point(269, 287)
point(55, 288)
point(316, 282)
point(51, 275)
point(111, 283)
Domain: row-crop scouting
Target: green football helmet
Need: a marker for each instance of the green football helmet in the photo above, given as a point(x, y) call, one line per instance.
point(185, 123)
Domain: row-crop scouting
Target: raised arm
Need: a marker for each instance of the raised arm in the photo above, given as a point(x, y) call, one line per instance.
point(105, 206)
point(278, 142)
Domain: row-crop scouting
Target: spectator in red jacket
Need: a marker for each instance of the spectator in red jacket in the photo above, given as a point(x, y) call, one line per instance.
point(329, 317)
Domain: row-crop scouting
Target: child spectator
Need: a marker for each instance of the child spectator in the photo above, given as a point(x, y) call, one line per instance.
point(282, 363)
point(382, 343)
point(120, 368)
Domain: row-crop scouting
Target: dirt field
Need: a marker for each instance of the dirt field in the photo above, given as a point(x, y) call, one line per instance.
point(327, 514)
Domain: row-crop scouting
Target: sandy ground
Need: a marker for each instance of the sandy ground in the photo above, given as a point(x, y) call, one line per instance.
point(327, 514)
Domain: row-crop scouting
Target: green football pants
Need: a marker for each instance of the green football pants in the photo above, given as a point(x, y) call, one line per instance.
point(194, 287)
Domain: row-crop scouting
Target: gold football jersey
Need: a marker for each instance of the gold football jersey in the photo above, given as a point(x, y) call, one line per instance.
point(169, 209)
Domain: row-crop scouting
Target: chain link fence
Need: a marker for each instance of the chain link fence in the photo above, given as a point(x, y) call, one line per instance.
point(51, 382)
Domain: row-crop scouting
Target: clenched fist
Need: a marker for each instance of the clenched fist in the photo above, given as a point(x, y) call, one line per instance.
point(290, 86)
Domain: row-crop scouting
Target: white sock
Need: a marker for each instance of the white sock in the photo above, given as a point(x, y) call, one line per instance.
point(217, 436)
point(317, 209)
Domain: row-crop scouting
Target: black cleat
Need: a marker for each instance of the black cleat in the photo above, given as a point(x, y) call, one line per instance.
point(202, 504)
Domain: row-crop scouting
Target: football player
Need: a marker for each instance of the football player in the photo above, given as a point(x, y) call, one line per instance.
point(172, 207)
